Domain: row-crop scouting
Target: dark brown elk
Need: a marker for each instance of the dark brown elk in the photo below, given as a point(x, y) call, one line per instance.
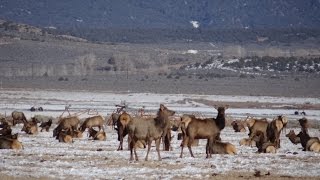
point(293, 137)
point(309, 143)
point(6, 130)
point(68, 123)
point(196, 128)
point(95, 121)
point(122, 127)
point(97, 135)
point(274, 129)
point(46, 125)
point(304, 124)
point(238, 126)
point(262, 144)
point(18, 117)
point(62, 136)
point(10, 142)
point(219, 147)
point(148, 130)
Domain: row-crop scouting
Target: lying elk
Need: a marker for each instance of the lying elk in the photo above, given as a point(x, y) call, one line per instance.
point(293, 137)
point(195, 128)
point(309, 143)
point(223, 148)
point(30, 127)
point(68, 123)
point(97, 135)
point(238, 126)
point(74, 133)
point(46, 125)
point(95, 121)
point(10, 142)
point(247, 142)
point(18, 117)
point(148, 130)
point(62, 136)
point(262, 144)
point(6, 130)
point(274, 129)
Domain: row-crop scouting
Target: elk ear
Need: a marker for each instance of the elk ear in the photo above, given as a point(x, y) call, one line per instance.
point(162, 107)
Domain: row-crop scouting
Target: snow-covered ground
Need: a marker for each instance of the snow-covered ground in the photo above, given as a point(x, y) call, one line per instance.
point(43, 156)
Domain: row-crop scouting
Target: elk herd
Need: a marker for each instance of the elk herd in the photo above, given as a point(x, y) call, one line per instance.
point(142, 131)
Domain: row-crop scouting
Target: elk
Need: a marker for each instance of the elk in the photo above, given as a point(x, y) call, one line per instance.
point(10, 142)
point(46, 125)
point(62, 136)
point(238, 126)
point(95, 121)
point(274, 129)
point(68, 123)
point(148, 130)
point(309, 143)
point(122, 127)
point(97, 135)
point(247, 142)
point(75, 133)
point(6, 130)
point(219, 147)
point(262, 144)
point(196, 128)
point(293, 137)
point(255, 125)
point(30, 127)
point(18, 117)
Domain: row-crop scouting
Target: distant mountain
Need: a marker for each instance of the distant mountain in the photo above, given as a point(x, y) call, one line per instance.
point(164, 13)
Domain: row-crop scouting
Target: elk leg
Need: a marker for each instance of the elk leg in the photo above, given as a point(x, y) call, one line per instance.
point(189, 145)
point(148, 150)
point(131, 150)
point(158, 148)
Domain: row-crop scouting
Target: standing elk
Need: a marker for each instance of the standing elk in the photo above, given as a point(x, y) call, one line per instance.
point(148, 130)
point(196, 128)
point(68, 123)
point(255, 125)
point(274, 129)
point(122, 127)
point(95, 121)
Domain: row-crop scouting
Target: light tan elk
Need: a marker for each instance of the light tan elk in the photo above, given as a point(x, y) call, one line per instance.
point(247, 142)
point(95, 121)
point(255, 125)
point(148, 130)
point(218, 147)
point(68, 123)
point(10, 142)
point(196, 128)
